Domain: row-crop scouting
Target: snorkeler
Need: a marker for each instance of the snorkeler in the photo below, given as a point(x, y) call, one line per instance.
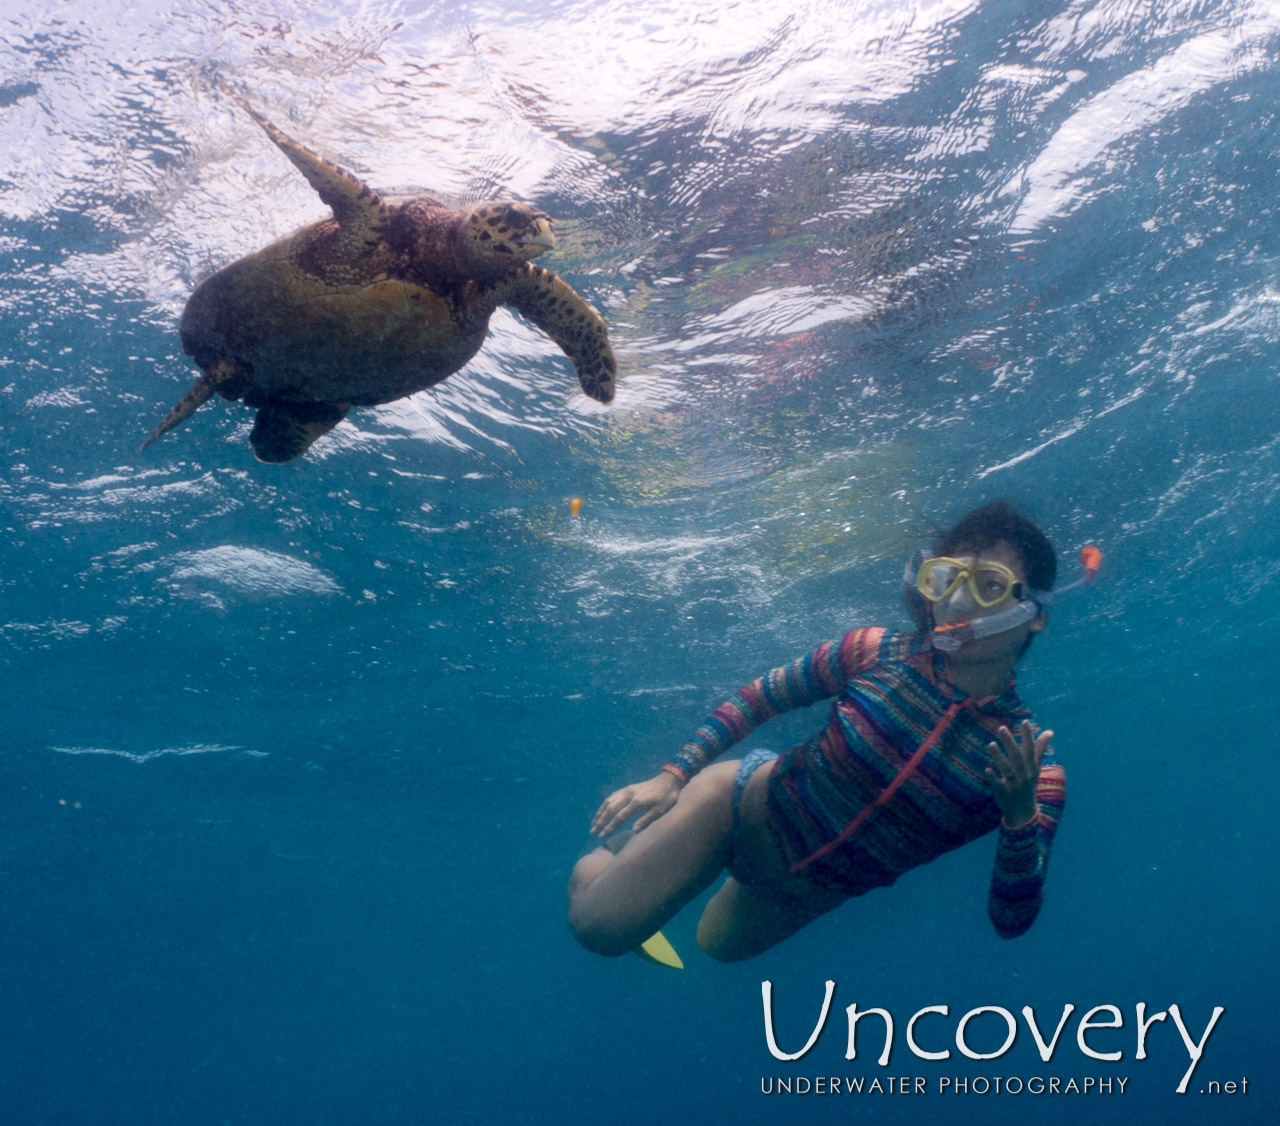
point(927, 748)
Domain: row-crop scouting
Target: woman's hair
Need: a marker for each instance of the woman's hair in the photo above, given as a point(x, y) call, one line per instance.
point(986, 526)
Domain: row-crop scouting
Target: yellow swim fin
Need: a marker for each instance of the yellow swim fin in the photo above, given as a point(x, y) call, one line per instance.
point(659, 951)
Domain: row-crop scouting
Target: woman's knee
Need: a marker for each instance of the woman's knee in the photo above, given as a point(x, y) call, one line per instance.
point(739, 923)
point(586, 870)
point(595, 931)
point(616, 902)
point(721, 920)
point(717, 944)
point(590, 918)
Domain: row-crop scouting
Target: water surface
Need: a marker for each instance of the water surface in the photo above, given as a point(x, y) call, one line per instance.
point(300, 757)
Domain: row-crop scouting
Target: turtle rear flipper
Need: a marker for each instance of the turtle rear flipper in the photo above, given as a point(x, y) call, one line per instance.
point(361, 214)
point(200, 392)
point(285, 430)
point(556, 308)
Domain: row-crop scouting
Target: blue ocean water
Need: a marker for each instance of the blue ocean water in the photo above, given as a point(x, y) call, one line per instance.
point(299, 758)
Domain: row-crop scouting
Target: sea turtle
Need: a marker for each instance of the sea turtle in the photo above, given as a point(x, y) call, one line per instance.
point(382, 300)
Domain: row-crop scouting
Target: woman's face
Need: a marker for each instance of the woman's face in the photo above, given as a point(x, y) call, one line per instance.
point(960, 606)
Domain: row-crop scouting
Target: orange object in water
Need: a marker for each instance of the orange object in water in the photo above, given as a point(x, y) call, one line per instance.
point(575, 505)
point(1090, 559)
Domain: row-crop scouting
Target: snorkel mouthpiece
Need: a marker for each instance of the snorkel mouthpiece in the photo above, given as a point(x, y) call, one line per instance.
point(949, 638)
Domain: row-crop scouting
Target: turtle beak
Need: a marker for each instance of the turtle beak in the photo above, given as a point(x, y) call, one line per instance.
point(539, 239)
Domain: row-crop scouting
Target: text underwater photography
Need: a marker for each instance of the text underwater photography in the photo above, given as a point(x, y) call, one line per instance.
point(988, 1033)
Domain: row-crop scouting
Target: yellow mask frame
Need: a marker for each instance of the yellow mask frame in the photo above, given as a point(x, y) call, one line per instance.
point(990, 583)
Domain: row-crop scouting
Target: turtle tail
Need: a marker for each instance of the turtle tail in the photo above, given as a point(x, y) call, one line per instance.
point(195, 397)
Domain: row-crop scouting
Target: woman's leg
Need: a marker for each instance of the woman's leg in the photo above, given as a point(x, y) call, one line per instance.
point(764, 902)
point(616, 902)
point(740, 923)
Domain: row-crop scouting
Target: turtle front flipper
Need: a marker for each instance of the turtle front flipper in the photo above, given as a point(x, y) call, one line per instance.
point(556, 308)
point(285, 430)
point(361, 214)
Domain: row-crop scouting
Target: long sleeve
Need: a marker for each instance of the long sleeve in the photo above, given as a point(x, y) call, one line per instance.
point(1022, 857)
point(816, 676)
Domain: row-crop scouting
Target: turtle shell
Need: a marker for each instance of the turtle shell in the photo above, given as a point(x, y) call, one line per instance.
point(297, 336)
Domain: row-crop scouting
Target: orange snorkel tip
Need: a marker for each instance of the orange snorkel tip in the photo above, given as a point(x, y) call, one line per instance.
point(1090, 560)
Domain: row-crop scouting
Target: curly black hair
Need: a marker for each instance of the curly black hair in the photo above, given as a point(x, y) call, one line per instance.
point(987, 526)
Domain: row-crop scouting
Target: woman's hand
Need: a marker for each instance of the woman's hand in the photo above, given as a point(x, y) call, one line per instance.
point(651, 798)
point(1014, 772)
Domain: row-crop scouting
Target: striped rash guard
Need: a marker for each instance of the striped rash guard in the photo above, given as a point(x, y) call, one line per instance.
point(891, 693)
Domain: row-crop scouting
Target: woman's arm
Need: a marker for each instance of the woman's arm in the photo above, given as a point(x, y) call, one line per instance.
point(1022, 854)
point(816, 676)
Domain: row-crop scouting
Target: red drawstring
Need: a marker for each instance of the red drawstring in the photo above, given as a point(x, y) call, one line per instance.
point(882, 798)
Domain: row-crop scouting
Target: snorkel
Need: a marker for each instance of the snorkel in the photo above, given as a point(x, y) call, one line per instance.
point(951, 636)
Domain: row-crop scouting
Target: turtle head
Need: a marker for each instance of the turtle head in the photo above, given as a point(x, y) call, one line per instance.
point(499, 236)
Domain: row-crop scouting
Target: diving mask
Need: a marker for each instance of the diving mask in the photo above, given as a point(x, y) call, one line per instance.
point(990, 584)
